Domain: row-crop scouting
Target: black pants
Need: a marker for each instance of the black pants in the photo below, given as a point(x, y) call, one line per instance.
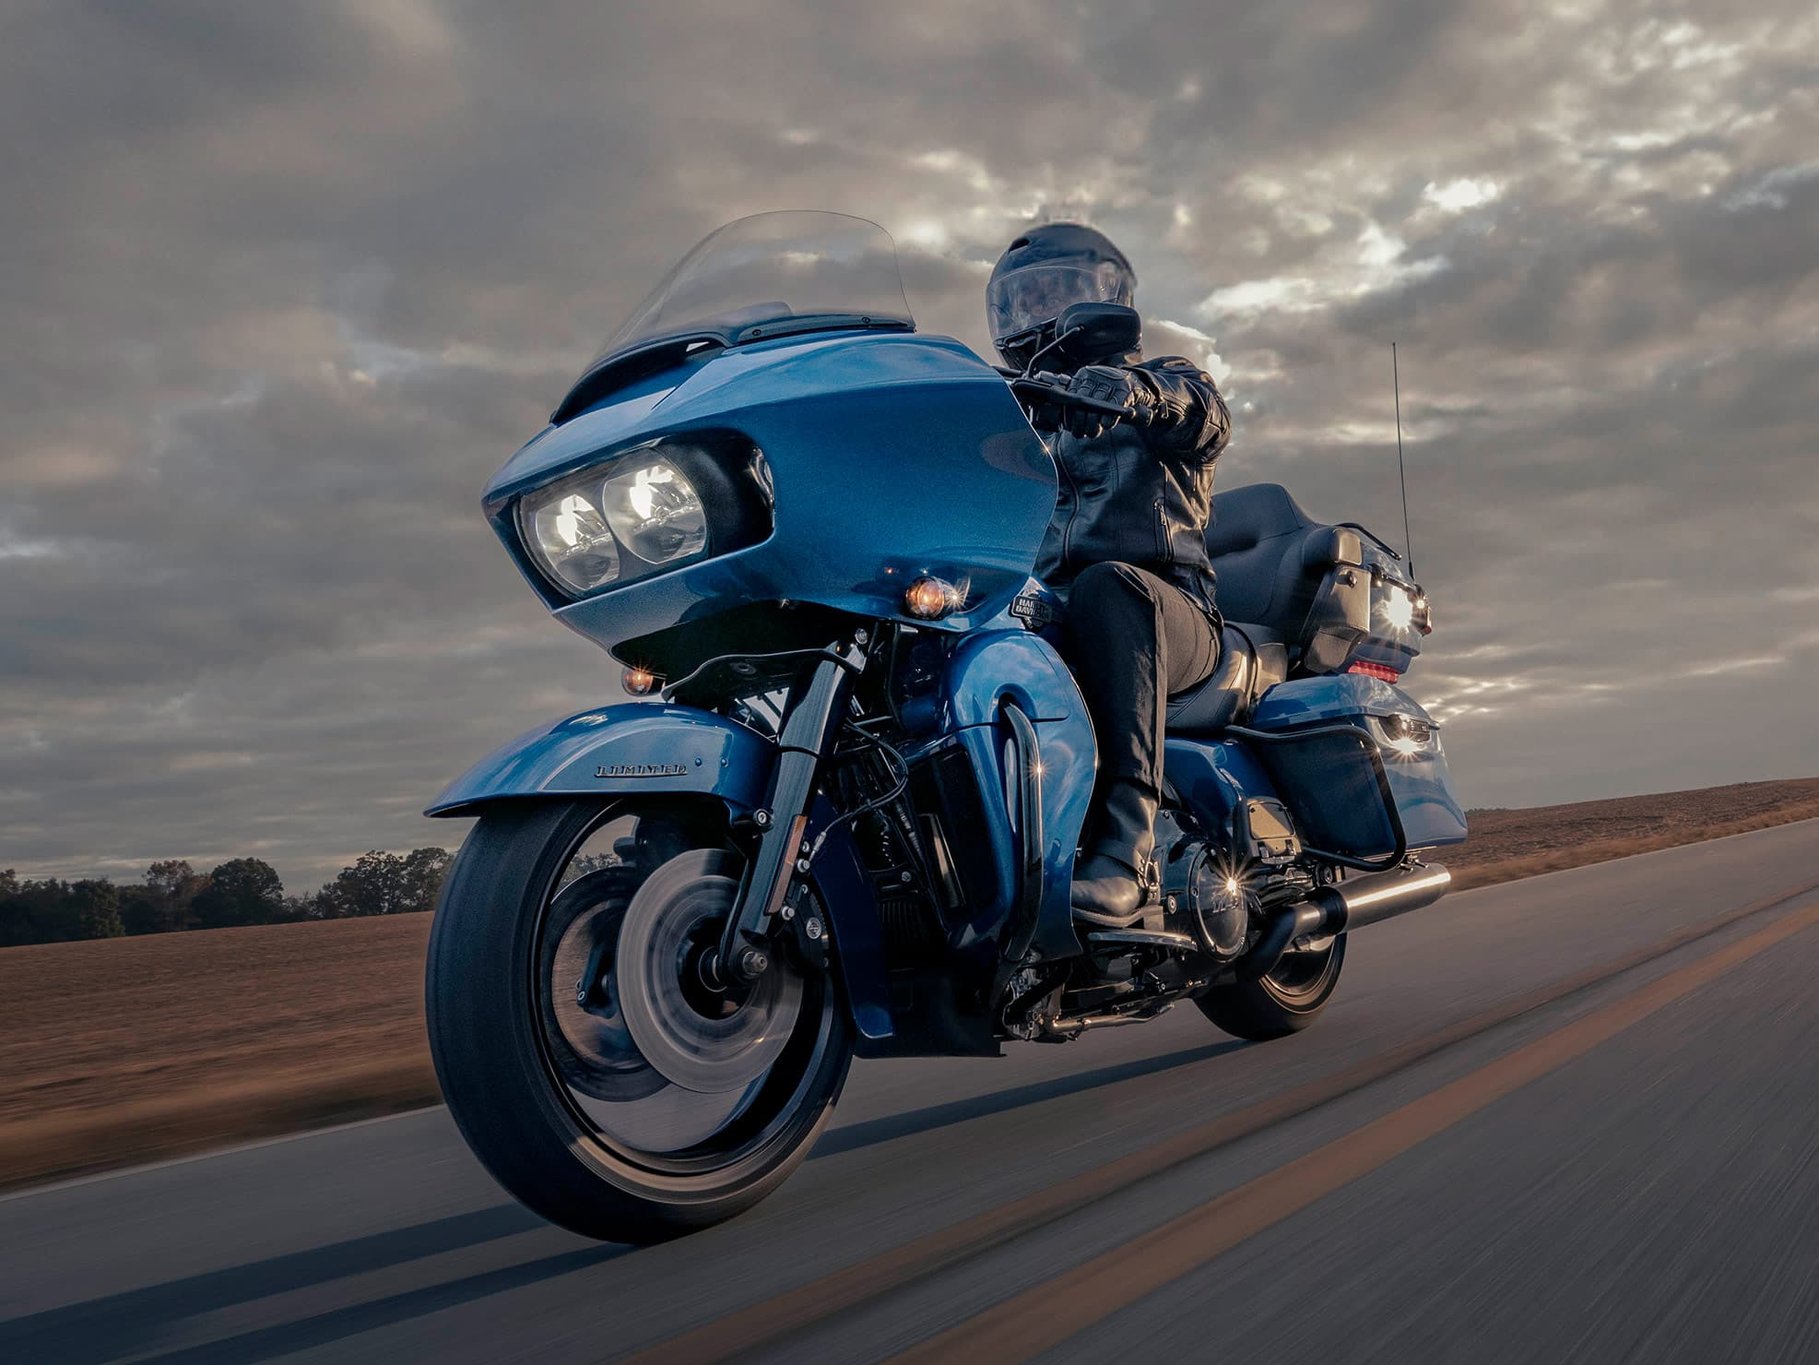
point(1132, 640)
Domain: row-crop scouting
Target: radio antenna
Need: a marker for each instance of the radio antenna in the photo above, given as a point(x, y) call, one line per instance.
point(1401, 474)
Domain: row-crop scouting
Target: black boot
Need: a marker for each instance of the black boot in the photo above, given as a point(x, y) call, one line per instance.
point(1108, 885)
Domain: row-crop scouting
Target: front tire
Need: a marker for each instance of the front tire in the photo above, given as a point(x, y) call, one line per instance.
point(1287, 1000)
point(512, 1086)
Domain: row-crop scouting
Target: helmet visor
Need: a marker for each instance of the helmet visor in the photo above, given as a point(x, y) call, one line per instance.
point(1021, 299)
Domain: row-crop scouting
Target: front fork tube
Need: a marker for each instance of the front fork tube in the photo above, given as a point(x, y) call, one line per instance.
point(807, 737)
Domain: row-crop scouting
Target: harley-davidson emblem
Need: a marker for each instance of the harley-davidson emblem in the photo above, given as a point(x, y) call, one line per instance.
point(640, 770)
point(1033, 610)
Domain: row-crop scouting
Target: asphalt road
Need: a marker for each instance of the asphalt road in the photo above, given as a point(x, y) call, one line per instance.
point(1624, 1170)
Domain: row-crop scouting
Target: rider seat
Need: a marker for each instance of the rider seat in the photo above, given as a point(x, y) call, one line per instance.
point(1250, 663)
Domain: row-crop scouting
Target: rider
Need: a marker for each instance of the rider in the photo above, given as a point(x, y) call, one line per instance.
point(1126, 547)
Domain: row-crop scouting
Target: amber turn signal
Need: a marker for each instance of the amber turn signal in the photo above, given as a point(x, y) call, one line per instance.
point(929, 599)
point(640, 682)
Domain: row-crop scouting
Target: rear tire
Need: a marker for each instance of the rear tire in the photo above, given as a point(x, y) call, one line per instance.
point(1286, 1001)
point(505, 1087)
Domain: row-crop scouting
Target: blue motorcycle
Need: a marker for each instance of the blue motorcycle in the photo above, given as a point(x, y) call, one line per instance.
point(842, 818)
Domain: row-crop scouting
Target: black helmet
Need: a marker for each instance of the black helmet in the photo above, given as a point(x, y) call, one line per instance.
point(1040, 274)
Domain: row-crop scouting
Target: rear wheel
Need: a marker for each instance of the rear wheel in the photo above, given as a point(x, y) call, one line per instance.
point(1287, 1000)
point(569, 931)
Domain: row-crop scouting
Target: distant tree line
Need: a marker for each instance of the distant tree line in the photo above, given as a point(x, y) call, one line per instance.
point(174, 896)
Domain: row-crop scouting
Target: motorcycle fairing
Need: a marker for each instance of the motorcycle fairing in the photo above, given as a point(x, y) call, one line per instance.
point(994, 666)
point(893, 455)
point(1015, 668)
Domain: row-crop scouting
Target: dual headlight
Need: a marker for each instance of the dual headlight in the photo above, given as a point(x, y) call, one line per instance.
point(648, 510)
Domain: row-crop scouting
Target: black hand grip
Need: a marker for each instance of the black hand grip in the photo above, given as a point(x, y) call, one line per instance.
point(1048, 393)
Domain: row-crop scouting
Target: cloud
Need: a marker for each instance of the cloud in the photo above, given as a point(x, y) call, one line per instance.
point(1773, 190)
point(1456, 196)
point(285, 284)
point(1374, 262)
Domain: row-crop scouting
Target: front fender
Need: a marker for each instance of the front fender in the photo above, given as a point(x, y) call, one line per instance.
point(637, 747)
point(644, 747)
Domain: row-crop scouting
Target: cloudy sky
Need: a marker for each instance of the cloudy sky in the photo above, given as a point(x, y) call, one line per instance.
point(282, 285)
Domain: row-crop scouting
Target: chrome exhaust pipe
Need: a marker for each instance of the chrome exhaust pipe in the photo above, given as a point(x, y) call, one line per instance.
point(1384, 895)
point(1348, 905)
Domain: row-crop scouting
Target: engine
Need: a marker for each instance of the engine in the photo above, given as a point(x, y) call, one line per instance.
point(1217, 889)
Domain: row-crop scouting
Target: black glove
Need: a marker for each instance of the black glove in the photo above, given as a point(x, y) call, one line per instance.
point(1102, 383)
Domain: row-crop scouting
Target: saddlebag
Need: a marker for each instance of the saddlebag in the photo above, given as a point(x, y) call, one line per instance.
point(1356, 758)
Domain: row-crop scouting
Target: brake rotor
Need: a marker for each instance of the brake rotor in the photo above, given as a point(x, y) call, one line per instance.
point(583, 1019)
point(697, 1033)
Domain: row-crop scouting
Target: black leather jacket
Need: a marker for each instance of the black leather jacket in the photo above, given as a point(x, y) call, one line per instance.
point(1142, 495)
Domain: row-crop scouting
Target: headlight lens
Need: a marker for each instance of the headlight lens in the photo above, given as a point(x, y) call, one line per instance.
point(571, 538)
point(649, 510)
point(655, 511)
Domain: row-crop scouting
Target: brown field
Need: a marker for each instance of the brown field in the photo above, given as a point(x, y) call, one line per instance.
point(1507, 844)
point(126, 1050)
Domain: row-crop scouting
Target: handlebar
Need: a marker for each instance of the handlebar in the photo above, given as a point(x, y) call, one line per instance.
point(1048, 393)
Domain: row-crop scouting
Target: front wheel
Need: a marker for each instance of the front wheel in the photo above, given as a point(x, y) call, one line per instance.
point(535, 996)
point(1287, 1000)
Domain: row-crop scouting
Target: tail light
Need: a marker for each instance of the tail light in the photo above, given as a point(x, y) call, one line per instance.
point(1371, 670)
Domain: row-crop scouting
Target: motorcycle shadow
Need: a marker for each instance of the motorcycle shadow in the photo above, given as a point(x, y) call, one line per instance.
point(888, 1127)
point(136, 1321)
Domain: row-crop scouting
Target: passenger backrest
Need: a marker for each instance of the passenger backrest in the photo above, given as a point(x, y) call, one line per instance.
point(1299, 579)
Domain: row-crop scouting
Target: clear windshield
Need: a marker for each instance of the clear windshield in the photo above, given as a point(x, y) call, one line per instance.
point(795, 267)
